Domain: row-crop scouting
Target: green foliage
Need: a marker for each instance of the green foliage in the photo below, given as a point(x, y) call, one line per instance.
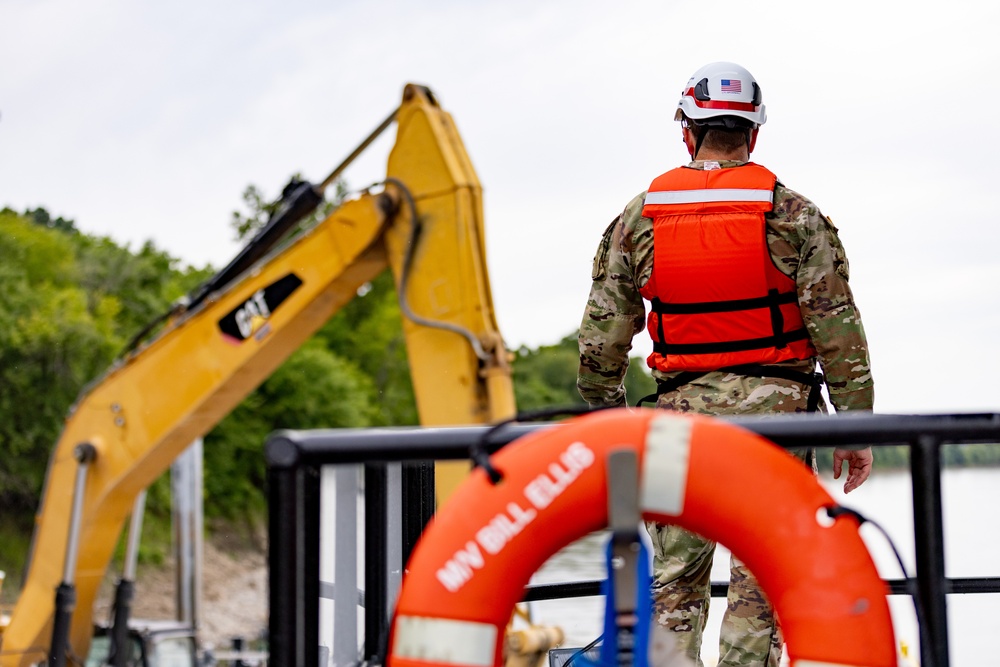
point(41, 217)
point(368, 330)
point(546, 377)
point(54, 336)
point(68, 304)
point(315, 388)
point(971, 455)
point(15, 543)
point(258, 211)
point(144, 283)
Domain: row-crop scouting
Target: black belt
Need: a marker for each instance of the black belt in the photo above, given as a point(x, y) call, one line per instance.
point(813, 380)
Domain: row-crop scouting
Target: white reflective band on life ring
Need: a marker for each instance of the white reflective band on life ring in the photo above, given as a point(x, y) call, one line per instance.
point(444, 640)
point(665, 465)
point(709, 195)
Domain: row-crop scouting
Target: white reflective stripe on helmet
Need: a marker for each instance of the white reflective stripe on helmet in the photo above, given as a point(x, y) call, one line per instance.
point(445, 640)
point(709, 195)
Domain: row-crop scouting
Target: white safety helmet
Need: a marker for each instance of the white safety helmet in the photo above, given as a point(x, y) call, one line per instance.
point(722, 95)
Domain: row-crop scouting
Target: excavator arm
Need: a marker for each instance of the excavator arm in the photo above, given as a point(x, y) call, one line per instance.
point(425, 223)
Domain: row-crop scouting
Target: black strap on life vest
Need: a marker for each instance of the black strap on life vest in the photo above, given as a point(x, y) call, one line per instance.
point(812, 380)
point(778, 339)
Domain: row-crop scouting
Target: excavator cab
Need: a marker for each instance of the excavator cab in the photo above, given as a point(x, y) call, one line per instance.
point(149, 644)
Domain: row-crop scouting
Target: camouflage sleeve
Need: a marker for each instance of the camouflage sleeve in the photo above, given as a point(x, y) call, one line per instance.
point(821, 272)
point(615, 311)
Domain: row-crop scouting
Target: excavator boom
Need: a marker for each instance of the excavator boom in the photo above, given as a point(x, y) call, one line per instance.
point(425, 224)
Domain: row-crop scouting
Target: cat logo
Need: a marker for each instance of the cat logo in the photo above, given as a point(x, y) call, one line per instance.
point(251, 317)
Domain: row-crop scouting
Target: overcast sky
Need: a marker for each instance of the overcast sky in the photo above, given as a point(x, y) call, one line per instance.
point(146, 120)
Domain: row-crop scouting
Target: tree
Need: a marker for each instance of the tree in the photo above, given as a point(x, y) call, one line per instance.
point(145, 283)
point(68, 303)
point(546, 376)
point(368, 330)
point(259, 210)
point(41, 217)
point(313, 389)
point(54, 337)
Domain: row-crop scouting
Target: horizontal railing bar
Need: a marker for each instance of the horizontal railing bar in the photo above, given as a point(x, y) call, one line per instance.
point(972, 585)
point(592, 587)
point(289, 449)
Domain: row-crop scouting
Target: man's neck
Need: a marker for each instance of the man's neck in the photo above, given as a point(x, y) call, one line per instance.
point(717, 156)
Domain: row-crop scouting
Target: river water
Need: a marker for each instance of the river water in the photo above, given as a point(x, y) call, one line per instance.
point(971, 499)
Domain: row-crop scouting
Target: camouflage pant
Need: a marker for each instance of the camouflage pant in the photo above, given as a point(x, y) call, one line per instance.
point(683, 561)
point(681, 592)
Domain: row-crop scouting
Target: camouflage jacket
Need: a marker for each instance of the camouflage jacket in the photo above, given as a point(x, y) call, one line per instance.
point(803, 244)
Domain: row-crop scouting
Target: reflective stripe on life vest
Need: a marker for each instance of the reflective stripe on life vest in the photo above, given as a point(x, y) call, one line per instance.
point(478, 553)
point(702, 196)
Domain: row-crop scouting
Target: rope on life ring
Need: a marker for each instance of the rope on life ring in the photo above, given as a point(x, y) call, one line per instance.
point(471, 565)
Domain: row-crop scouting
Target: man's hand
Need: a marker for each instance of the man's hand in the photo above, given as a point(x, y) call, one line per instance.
point(859, 466)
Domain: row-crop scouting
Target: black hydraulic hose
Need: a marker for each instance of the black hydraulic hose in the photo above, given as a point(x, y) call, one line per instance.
point(411, 247)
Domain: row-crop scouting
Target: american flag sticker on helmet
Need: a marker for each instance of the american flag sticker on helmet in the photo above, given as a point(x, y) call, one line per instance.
point(732, 86)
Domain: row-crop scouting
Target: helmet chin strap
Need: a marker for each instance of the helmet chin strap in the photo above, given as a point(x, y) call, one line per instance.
point(697, 142)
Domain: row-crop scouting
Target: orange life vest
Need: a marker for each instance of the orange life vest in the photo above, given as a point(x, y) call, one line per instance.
point(717, 299)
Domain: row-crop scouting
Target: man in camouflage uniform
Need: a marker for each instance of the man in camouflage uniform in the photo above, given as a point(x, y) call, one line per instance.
point(803, 244)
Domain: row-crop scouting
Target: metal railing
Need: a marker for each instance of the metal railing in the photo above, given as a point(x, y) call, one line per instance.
point(295, 457)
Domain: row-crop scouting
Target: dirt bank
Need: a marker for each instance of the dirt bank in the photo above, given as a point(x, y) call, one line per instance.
point(234, 593)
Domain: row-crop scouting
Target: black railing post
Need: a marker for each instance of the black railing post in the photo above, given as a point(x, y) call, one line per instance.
point(928, 533)
point(311, 495)
point(376, 588)
point(282, 579)
point(293, 565)
point(418, 503)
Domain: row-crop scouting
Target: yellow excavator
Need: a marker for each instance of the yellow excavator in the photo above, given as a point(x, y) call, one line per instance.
point(181, 377)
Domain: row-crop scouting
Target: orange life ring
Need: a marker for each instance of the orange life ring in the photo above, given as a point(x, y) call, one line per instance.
point(470, 567)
